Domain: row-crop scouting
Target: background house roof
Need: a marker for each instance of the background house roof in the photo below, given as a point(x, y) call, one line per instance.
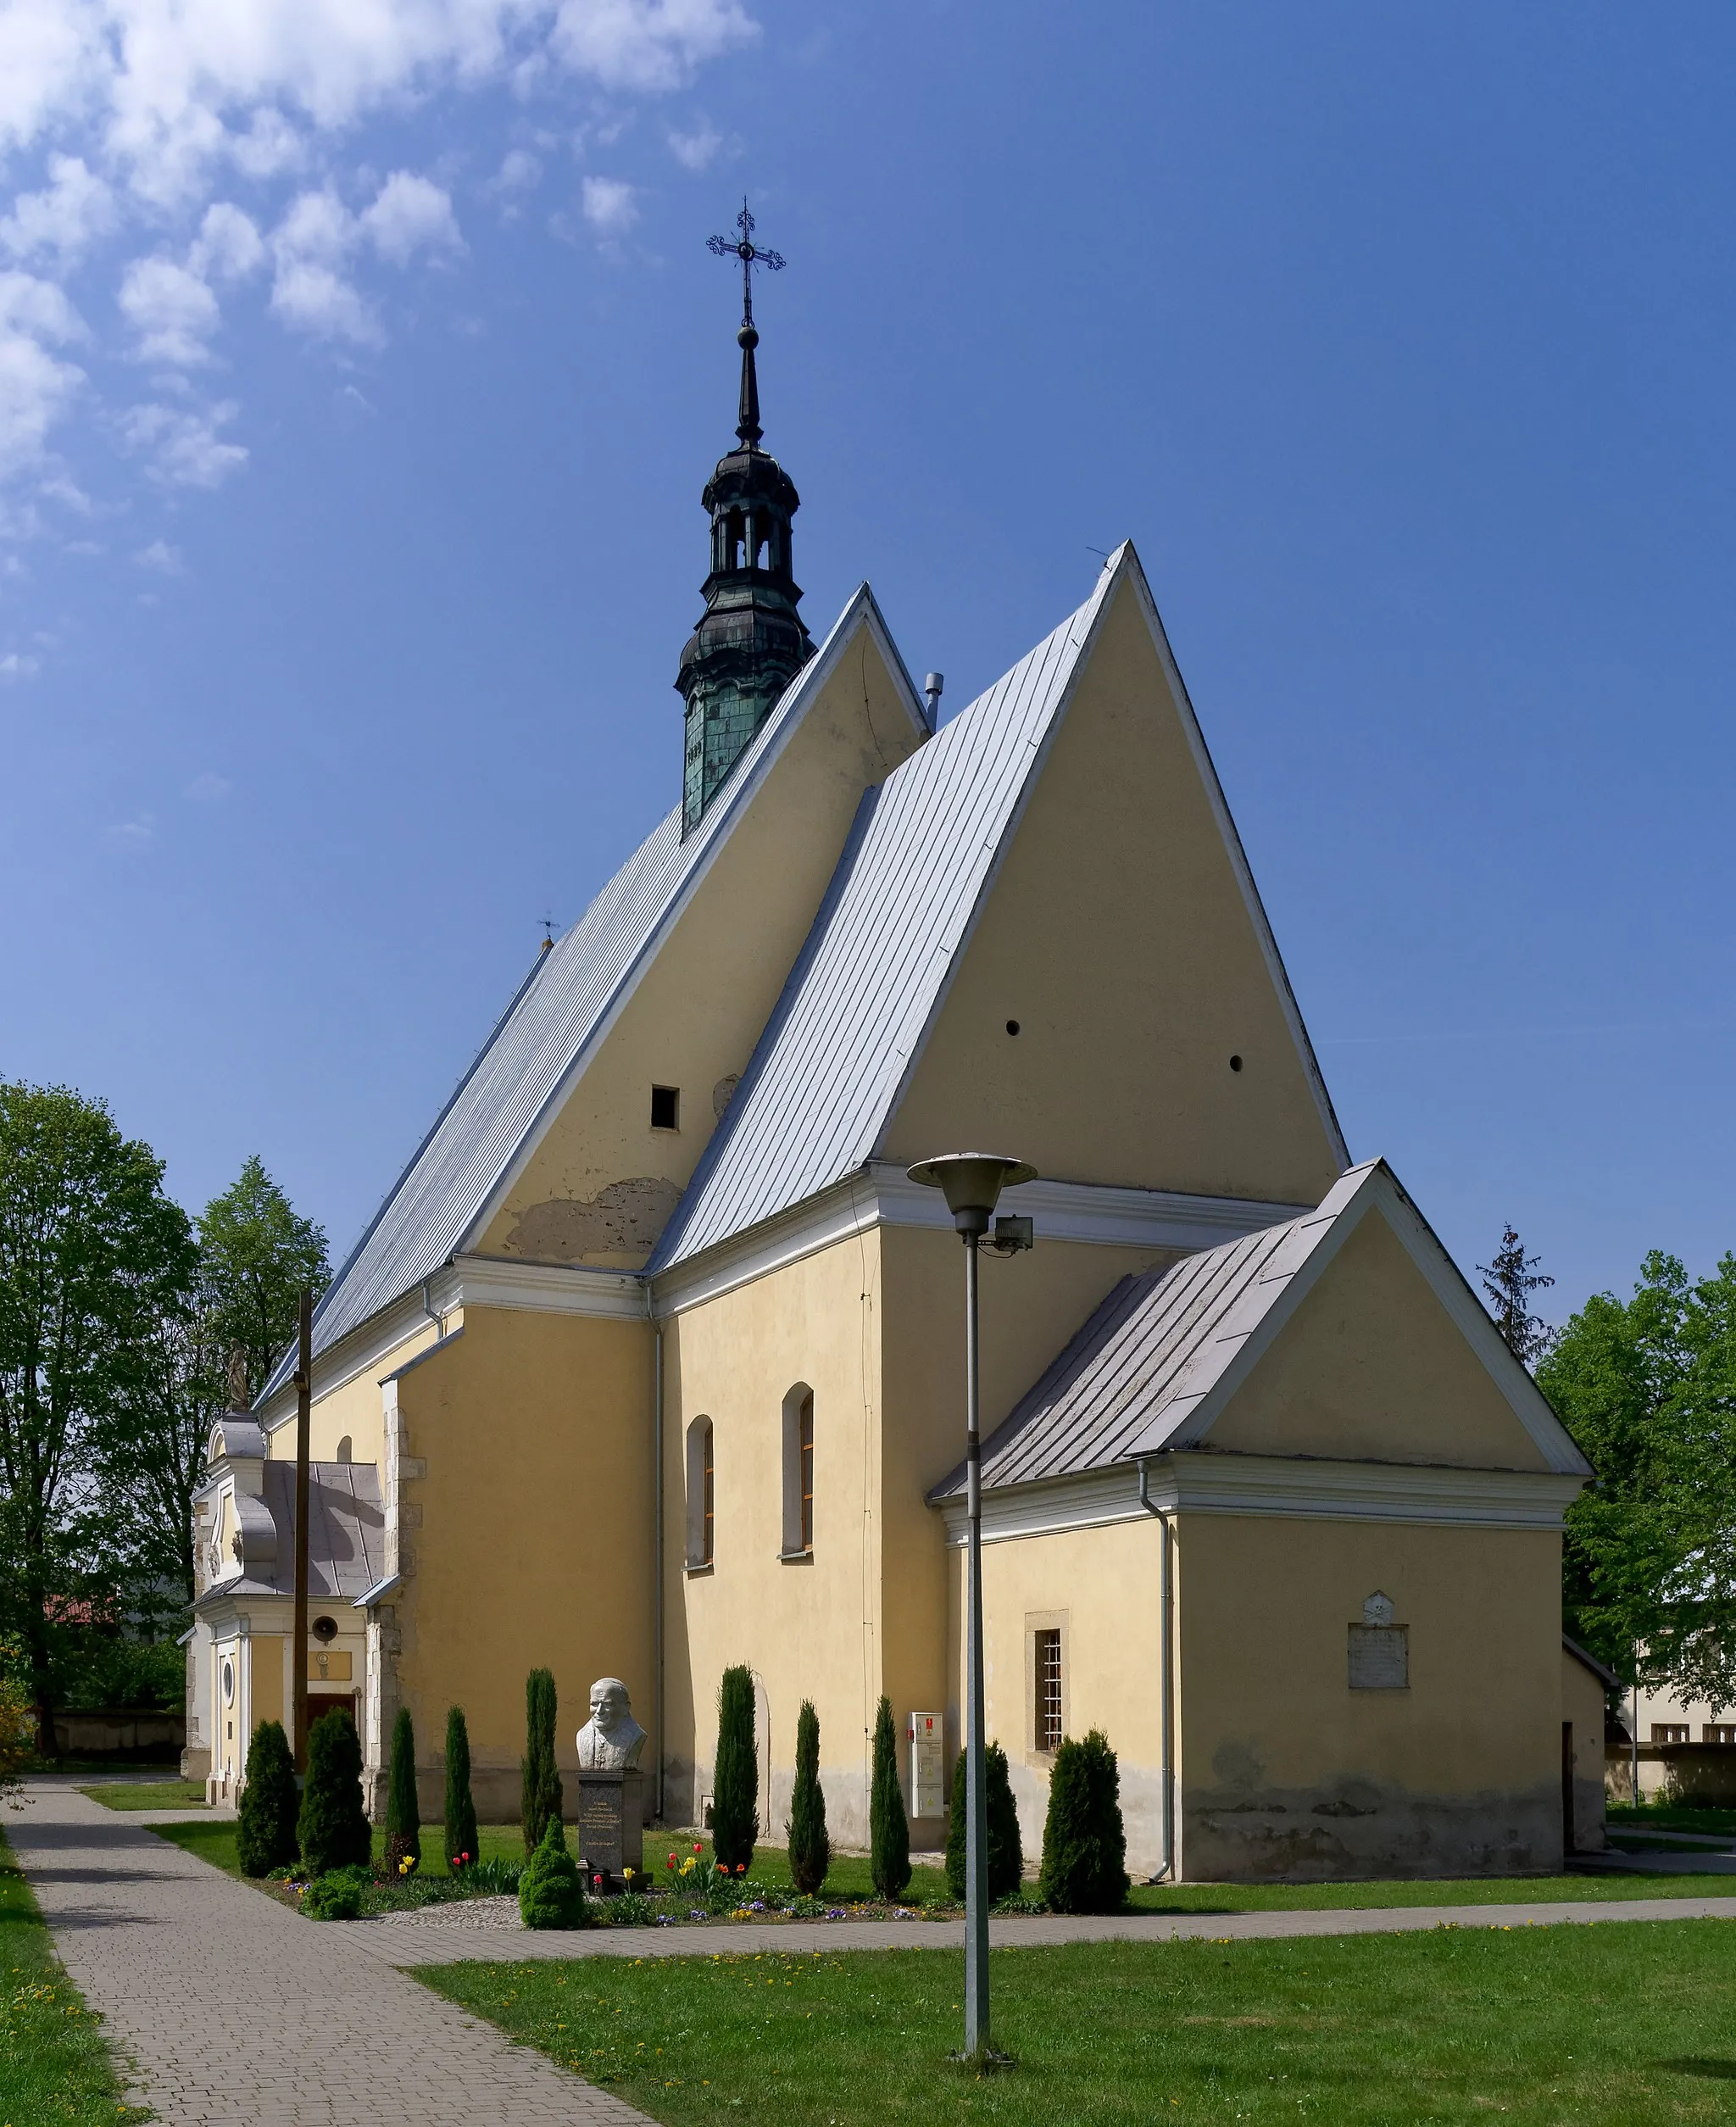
point(1153, 1365)
point(564, 1004)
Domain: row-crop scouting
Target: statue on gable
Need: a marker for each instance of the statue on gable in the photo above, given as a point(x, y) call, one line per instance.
point(611, 1740)
point(239, 1399)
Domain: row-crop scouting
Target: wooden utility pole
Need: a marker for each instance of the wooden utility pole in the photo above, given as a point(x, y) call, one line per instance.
point(304, 1426)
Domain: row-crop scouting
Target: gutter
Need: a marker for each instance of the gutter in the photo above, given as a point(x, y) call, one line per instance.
point(382, 1591)
point(1165, 1608)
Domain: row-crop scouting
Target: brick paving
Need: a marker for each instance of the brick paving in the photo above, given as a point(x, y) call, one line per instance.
point(233, 2011)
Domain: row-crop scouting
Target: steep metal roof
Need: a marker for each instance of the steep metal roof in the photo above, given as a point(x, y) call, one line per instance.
point(1151, 1368)
point(564, 1004)
point(828, 1069)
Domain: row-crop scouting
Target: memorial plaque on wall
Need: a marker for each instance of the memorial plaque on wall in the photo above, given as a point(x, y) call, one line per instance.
point(1380, 1658)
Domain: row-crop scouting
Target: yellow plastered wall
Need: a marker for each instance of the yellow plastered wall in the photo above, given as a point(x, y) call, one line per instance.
point(353, 1411)
point(810, 1629)
point(1100, 1588)
point(699, 1008)
point(265, 1653)
point(1117, 936)
point(1371, 1365)
point(1287, 1771)
point(1030, 1306)
point(526, 1531)
point(1583, 1712)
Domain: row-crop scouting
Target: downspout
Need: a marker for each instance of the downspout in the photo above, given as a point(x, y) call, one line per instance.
point(1165, 1608)
point(433, 1315)
point(657, 1544)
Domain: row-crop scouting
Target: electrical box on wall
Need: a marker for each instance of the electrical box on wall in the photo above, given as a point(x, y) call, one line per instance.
point(926, 1736)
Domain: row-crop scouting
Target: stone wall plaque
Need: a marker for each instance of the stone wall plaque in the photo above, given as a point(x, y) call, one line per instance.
point(1380, 1658)
point(324, 1667)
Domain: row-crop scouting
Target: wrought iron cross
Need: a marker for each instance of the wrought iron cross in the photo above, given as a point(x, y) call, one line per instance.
point(741, 246)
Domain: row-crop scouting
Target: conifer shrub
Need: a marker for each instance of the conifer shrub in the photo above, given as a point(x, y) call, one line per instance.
point(735, 1784)
point(1006, 1853)
point(403, 1815)
point(551, 1892)
point(265, 1829)
point(335, 1896)
point(459, 1818)
point(332, 1829)
point(888, 1827)
point(1084, 1847)
point(809, 1845)
point(540, 1787)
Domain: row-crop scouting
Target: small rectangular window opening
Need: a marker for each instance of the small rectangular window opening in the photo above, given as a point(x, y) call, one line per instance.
point(1048, 1688)
point(1720, 1732)
point(1669, 1731)
point(665, 1107)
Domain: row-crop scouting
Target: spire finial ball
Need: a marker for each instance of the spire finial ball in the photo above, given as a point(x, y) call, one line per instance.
point(748, 336)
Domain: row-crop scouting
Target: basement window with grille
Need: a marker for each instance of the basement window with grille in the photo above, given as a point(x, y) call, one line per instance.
point(1048, 1688)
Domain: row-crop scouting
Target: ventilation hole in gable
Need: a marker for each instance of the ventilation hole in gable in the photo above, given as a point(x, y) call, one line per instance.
point(1235, 1063)
point(1012, 1025)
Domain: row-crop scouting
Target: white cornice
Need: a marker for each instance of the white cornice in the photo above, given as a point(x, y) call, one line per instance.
point(545, 1288)
point(1274, 1484)
point(364, 1348)
point(881, 1194)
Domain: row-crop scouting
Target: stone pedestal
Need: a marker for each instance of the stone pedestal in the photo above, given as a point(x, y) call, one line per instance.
point(611, 1816)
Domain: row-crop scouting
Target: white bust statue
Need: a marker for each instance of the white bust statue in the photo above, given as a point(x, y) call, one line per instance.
point(611, 1740)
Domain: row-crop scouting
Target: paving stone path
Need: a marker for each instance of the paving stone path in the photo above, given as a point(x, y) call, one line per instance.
point(235, 2012)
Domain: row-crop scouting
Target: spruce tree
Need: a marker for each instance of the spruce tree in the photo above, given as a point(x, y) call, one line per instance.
point(735, 1783)
point(540, 1781)
point(404, 1816)
point(1006, 1853)
point(264, 1831)
point(888, 1828)
point(332, 1828)
point(551, 1891)
point(1084, 1847)
point(459, 1818)
point(810, 1847)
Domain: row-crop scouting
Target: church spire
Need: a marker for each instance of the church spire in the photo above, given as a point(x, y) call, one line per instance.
point(750, 641)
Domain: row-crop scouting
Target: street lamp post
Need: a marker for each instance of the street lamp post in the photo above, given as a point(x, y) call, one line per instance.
point(972, 1182)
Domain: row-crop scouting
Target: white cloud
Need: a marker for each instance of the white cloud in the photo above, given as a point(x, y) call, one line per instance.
point(609, 206)
point(520, 172)
point(15, 667)
point(35, 383)
point(411, 214)
point(309, 291)
point(172, 311)
point(695, 150)
point(58, 223)
point(228, 244)
point(646, 44)
point(131, 835)
point(161, 556)
point(209, 788)
point(183, 449)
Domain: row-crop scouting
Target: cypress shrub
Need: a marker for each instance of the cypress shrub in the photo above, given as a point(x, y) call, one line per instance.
point(1084, 1847)
point(264, 1831)
point(735, 1784)
point(1006, 1854)
point(551, 1894)
point(811, 1848)
point(332, 1829)
point(404, 1816)
point(888, 1828)
point(458, 1823)
point(541, 1782)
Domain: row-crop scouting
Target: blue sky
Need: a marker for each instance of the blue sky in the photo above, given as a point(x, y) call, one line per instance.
point(361, 364)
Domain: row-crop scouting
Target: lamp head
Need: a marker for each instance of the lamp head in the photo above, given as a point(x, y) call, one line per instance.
point(972, 1182)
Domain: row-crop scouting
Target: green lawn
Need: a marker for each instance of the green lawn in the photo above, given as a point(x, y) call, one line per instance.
point(1610, 2026)
point(1668, 1817)
point(215, 1843)
point(53, 2062)
point(147, 1794)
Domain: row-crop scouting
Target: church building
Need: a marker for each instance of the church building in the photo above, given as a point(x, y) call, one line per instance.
point(652, 1359)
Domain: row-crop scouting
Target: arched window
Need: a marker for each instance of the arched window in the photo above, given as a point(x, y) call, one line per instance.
point(702, 1494)
point(798, 1472)
point(344, 1453)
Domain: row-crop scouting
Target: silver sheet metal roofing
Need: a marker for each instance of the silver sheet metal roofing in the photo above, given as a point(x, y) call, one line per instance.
point(346, 1532)
point(532, 1052)
point(1128, 1382)
point(829, 1068)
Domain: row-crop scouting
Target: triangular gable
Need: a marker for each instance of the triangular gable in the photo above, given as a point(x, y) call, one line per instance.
point(1117, 1010)
point(1165, 1355)
point(501, 1108)
point(828, 1068)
